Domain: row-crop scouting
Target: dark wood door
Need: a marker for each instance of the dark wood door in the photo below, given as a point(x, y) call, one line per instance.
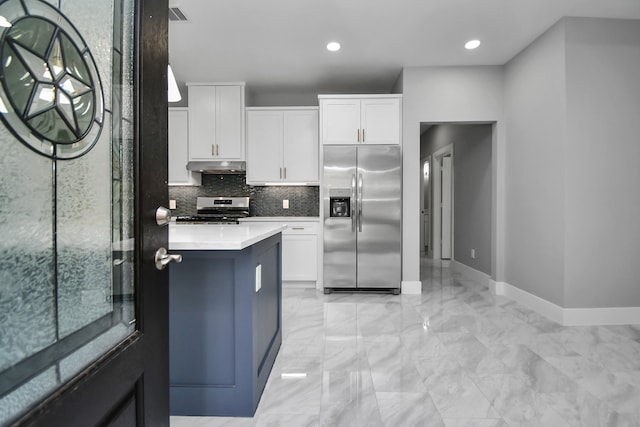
point(126, 383)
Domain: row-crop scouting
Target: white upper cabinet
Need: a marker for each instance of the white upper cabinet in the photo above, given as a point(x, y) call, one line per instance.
point(282, 145)
point(179, 149)
point(216, 121)
point(361, 119)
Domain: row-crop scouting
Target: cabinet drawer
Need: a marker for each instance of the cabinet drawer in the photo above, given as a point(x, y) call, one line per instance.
point(301, 228)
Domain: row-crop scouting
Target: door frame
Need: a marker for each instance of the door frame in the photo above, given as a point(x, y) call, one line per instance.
point(436, 224)
point(425, 241)
point(136, 370)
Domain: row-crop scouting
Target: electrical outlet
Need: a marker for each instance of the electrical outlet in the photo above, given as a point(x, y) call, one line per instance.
point(172, 204)
point(285, 204)
point(258, 277)
point(473, 254)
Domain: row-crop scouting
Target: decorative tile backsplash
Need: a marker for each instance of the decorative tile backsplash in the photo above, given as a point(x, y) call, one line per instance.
point(265, 201)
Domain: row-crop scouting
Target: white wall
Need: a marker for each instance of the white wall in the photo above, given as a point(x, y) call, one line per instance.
point(602, 163)
point(535, 114)
point(438, 95)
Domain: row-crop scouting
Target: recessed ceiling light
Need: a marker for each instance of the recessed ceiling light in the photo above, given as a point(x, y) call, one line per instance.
point(333, 46)
point(472, 44)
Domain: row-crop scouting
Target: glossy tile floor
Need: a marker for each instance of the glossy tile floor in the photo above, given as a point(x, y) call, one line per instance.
point(454, 356)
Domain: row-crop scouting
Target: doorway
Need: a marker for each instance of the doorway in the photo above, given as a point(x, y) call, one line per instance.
point(442, 209)
point(460, 183)
point(425, 208)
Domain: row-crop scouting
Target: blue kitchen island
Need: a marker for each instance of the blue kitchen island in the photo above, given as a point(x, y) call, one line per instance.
point(225, 316)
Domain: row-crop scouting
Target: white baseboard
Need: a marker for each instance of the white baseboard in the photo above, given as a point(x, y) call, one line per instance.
point(471, 273)
point(535, 303)
point(413, 287)
point(568, 316)
point(602, 316)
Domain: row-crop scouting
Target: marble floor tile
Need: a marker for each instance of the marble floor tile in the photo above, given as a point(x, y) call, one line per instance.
point(408, 410)
point(453, 356)
point(474, 422)
point(392, 368)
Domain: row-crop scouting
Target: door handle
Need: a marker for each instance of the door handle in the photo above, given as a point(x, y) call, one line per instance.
point(360, 198)
point(163, 216)
point(352, 203)
point(162, 258)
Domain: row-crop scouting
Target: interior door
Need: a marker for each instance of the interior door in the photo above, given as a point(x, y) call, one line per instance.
point(447, 187)
point(83, 98)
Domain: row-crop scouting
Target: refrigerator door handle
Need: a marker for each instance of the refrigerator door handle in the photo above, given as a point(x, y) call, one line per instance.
point(352, 203)
point(360, 186)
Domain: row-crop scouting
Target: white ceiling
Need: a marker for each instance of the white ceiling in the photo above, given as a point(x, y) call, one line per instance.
point(279, 45)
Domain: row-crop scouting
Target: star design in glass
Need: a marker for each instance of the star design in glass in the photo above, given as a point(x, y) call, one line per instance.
point(58, 86)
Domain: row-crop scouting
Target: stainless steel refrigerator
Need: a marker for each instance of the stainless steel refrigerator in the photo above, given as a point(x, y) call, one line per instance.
point(362, 203)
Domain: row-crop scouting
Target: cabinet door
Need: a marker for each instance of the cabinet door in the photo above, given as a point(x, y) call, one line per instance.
point(264, 146)
point(299, 257)
point(179, 150)
point(380, 119)
point(202, 123)
point(300, 150)
point(229, 123)
point(340, 121)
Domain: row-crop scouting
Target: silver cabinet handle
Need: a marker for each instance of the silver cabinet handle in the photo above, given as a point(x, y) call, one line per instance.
point(285, 173)
point(280, 173)
point(213, 150)
point(162, 258)
point(358, 135)
point(362, 135)
point(217, 150)
point(163, 216)
point(297, 228)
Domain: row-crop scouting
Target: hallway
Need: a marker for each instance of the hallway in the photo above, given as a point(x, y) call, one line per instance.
point(454, 356)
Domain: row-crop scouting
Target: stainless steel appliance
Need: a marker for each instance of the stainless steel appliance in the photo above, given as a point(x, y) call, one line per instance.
point(218, 210)
point(362, 189)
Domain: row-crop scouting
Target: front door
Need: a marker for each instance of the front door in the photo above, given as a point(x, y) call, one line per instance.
point(83, 311)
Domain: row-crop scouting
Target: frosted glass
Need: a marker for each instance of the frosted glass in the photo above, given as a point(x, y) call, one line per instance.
point(84, 236)
point(27, 395)
point(93, 19)
point(26, 251)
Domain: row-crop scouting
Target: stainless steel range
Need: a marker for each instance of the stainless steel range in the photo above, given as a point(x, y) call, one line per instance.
point(218, 210)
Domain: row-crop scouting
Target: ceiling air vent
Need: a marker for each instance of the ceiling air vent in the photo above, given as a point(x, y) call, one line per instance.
point(175, 14)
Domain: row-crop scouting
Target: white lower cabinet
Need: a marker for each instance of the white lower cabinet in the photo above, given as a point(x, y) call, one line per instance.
point(299, 250)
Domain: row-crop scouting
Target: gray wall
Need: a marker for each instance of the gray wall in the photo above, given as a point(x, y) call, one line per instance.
point(440, 95)
point(602, 163)
point(472, 188)
point(535, 113)
point(572, 103)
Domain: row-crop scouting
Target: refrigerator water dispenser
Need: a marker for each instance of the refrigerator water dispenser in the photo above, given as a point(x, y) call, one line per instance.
point(339, 203)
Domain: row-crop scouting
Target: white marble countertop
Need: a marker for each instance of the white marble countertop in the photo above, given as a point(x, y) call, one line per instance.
point(218, 237)
point(281, 218)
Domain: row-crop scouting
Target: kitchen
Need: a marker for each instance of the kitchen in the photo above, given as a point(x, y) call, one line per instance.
point(483, 88)
point(344, 358)
point(283, 156)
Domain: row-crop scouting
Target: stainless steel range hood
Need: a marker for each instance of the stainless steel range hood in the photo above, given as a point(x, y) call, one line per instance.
point(218, 167)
